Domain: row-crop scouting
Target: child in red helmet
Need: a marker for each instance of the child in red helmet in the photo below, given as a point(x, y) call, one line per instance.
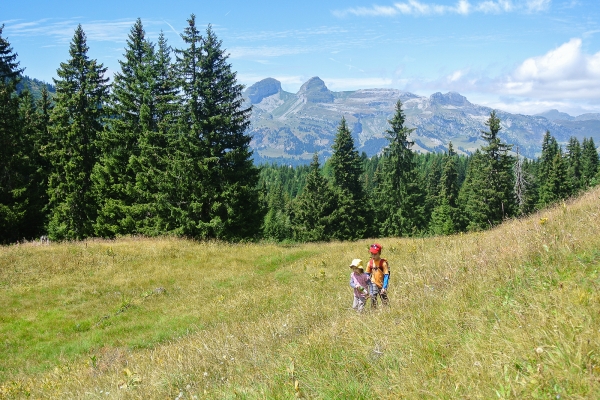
point(379, 272)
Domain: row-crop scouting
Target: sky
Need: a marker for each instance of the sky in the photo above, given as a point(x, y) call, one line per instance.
point(519, 56)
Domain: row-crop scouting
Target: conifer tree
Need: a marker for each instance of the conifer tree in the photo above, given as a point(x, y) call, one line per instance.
point(549, 172)
point(574, 167)
point(218, 178)
point(473, 195)
point(131, 105)
point(75, 124)
point(312, 209)
point(589, 162)
point(350, 217)
point(156, 207)
point(13, 181)
point(277, 224)
point(445, 216)
point(500, 180)
point(432, 176)
point(399, 206)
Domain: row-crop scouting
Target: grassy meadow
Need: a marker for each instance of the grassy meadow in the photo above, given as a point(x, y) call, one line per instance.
point(511, 313)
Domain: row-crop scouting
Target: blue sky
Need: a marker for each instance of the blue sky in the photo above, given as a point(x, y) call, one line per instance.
point(521, 56)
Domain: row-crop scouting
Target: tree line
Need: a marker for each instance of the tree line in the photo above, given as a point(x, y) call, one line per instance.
point(163, 150)
point(403, 193)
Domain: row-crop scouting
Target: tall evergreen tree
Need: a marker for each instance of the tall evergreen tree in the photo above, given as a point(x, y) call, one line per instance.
point(131, 109)
point(312, 209)
point(400, 200)
point(445, 215)
point(589, 162)
point(12, 182)
point(473, 195)
point(219, 179)
point(157, 210)
point(277, 224)
point(574, 167)
point(350, 217)
point(500, 180)
point(75, 124)
point(550, 187)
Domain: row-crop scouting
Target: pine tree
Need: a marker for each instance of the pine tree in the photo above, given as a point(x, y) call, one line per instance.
point(156, 206)
point(75, 124)
point(399, 206)
point(217, 175)
point(14, 151)
point(130, 106)
point(277, 224)
point(550, 188)
point(574, 167)
point(445, 215)
point(350, 217)
point(500, 179)
point(589, 163)
point(474, 194)
point(312, 209)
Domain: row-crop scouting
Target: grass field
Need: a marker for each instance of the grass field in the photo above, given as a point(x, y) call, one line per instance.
point(512, 313)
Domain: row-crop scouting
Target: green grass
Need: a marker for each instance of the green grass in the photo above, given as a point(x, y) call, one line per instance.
point(510, 313)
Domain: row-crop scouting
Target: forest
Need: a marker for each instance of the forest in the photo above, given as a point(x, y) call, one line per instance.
point(162, 150)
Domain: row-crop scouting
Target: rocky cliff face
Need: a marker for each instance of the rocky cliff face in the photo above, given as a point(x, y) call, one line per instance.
point(291, 127)
point(265, 88)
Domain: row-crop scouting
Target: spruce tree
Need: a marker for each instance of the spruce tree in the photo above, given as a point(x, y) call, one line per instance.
point(574, 166)
point(350, 217)
point(312, 209)
point(156, 206)
point(130, 108)
point(75, 124)
point(218, 178)
point(500, 180)
point(15, 152)
point(474, 194)
point(399, 203)
point(547, 173)
point(589, 163)
point(277, 224)
point(445, 215)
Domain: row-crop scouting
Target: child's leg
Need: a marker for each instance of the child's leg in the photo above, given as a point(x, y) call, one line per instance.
point(374, 294)
point(360, 303)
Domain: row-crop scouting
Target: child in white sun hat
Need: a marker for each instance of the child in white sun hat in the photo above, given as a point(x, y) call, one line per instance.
point(360, 282)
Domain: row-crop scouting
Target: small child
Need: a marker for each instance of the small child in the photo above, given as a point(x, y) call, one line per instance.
point(360, 282)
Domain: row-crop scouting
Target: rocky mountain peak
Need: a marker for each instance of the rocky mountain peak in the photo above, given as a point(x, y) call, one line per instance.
point(315, 91)
point(555, 115)
point(449, 99)
point(265, 88)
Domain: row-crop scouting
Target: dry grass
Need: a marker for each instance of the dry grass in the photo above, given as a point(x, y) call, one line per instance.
point(508, 313)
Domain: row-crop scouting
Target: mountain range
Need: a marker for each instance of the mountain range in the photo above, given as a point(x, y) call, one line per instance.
point(288, 127)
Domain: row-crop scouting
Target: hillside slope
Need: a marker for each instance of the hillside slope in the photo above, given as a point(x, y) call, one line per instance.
point(509, 313)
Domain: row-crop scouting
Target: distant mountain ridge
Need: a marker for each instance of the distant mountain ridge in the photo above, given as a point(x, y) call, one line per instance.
point(34, 86)
point(292, 127)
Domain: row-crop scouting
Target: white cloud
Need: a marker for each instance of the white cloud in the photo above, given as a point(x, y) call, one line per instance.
point(461, 7)
point(564, 72)
point(63, 30)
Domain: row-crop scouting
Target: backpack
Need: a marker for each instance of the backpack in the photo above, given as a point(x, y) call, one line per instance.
point(381, 260)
